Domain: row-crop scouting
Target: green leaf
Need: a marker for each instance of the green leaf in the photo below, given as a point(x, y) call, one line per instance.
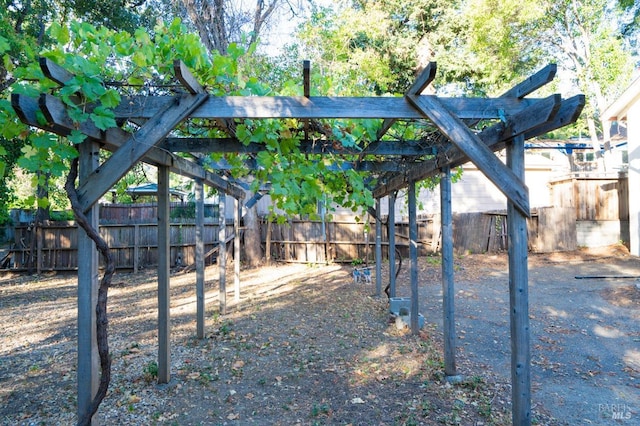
point(76, 137)
point(92, 89)
point(110, 99)
point(235, 51)
point(4, 45)
point(43, 203)
point(139, 58)
point(44, 141)
point(103, 119)
point(60, 33)
point(135, 80)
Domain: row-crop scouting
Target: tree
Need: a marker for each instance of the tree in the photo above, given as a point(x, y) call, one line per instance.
point(583, 37)
point(630, 20)
point(375, 46)
point(221, 24)
point(22, 36)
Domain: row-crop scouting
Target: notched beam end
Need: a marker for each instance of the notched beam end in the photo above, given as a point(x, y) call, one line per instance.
point(26, 108)
point(54, 72)
point(48, 107)
point(533, 83)
point(576, 102)
point(423, 80)
point(568, 113)
point(186, 78)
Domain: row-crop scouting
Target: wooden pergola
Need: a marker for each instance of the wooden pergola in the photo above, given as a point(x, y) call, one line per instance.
point(512, 117)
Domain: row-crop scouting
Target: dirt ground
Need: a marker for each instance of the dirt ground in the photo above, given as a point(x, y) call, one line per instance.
point(305, 345)
point(585, 328)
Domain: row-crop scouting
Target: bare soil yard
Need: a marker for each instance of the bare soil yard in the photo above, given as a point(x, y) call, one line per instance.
point(306, 345)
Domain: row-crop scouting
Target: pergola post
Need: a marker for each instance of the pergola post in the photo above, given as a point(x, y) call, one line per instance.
point(88, 359)
point(391, 224)
point(164, 324)
point(237, 214)
point(519, 296)
point(448, 311)
point(200, 278)
point(222, 253)
point(413, 254)
point(378, 250)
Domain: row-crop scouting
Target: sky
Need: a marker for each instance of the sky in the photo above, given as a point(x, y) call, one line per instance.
point(283, 27)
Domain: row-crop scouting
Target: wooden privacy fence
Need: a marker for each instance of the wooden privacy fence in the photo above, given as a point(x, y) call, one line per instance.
point(341, 240)
point(53, 246)
point(148, 212)
point(344, 240)
point(601, 203)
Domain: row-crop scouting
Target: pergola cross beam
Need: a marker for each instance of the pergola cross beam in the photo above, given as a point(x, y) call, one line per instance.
point(60, 123)
point(405, 148)
point(321, 107)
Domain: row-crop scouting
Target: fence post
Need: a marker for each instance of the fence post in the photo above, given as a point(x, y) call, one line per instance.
point(136, 248)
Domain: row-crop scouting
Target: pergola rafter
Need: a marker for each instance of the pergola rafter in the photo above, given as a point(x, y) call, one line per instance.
point(512, 118)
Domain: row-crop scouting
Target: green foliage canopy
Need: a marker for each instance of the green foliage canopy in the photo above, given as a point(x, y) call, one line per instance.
point(107, 63)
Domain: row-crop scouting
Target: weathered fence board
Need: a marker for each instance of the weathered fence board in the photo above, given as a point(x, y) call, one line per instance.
point(601, 204)
point(134, 246)
point(553, 229)
point(594, 197)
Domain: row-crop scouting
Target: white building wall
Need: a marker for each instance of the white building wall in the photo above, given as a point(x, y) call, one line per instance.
point(472, 193)
point(633, 145)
